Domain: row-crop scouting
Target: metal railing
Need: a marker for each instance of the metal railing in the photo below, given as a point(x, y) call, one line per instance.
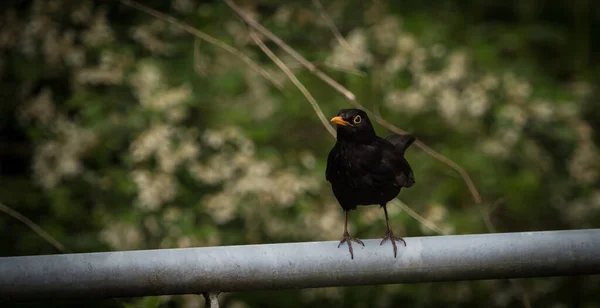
point(299, 265)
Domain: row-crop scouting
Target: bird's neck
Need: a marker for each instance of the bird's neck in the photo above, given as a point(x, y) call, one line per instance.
point(360, 137)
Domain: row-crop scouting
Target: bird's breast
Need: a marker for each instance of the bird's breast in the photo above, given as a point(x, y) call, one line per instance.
point(352, 174)
point(359, 178)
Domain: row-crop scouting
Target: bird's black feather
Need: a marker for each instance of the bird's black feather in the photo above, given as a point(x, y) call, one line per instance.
point(401, 142)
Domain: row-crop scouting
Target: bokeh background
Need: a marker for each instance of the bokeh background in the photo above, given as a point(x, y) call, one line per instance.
point(122, 131)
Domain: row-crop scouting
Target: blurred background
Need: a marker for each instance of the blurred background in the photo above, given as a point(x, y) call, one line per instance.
point(122, 131)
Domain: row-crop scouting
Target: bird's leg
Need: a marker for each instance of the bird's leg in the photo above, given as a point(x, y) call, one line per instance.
point(389, 235)
point(347, 239)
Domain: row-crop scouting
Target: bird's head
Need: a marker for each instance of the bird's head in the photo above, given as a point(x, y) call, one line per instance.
point(353, 125)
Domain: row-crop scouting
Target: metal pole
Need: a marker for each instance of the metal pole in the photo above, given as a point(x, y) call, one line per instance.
point(299, 265)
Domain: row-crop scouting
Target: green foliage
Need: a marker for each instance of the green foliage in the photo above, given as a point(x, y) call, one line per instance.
point(122, 133)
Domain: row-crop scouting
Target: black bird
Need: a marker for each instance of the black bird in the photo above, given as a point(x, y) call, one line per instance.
point(365, 169)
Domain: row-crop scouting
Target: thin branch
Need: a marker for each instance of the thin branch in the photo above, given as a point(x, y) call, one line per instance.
point(33, 226)
point(294, 80)
point(332, 67)
point(490, 209)
point(311, 67)
point(346, 70)
point(436, 155)
point(336, 33)
point(351, 97)
point(428, 224)
point(203, 36)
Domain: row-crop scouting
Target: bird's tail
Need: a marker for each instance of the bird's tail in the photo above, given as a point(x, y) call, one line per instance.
point(401, 142)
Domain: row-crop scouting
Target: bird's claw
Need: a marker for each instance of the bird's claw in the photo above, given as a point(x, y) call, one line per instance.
point(389, 235)
point(347, 239)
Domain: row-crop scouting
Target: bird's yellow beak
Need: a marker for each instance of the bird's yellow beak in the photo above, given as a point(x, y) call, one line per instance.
point(339, 121)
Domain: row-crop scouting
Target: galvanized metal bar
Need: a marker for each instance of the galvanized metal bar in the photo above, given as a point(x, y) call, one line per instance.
point(299, 265)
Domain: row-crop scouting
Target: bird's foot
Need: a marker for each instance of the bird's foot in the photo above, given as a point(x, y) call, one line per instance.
point(389, 235)
point(347, 239)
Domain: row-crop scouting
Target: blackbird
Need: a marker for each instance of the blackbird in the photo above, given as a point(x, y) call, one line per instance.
point(365, 169)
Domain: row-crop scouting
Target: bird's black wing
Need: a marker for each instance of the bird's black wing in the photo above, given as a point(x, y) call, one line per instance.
point(404, 175)
point(376, 163)
point(401, 142)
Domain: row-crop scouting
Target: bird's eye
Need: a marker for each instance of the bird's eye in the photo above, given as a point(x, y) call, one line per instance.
point(357, 119)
